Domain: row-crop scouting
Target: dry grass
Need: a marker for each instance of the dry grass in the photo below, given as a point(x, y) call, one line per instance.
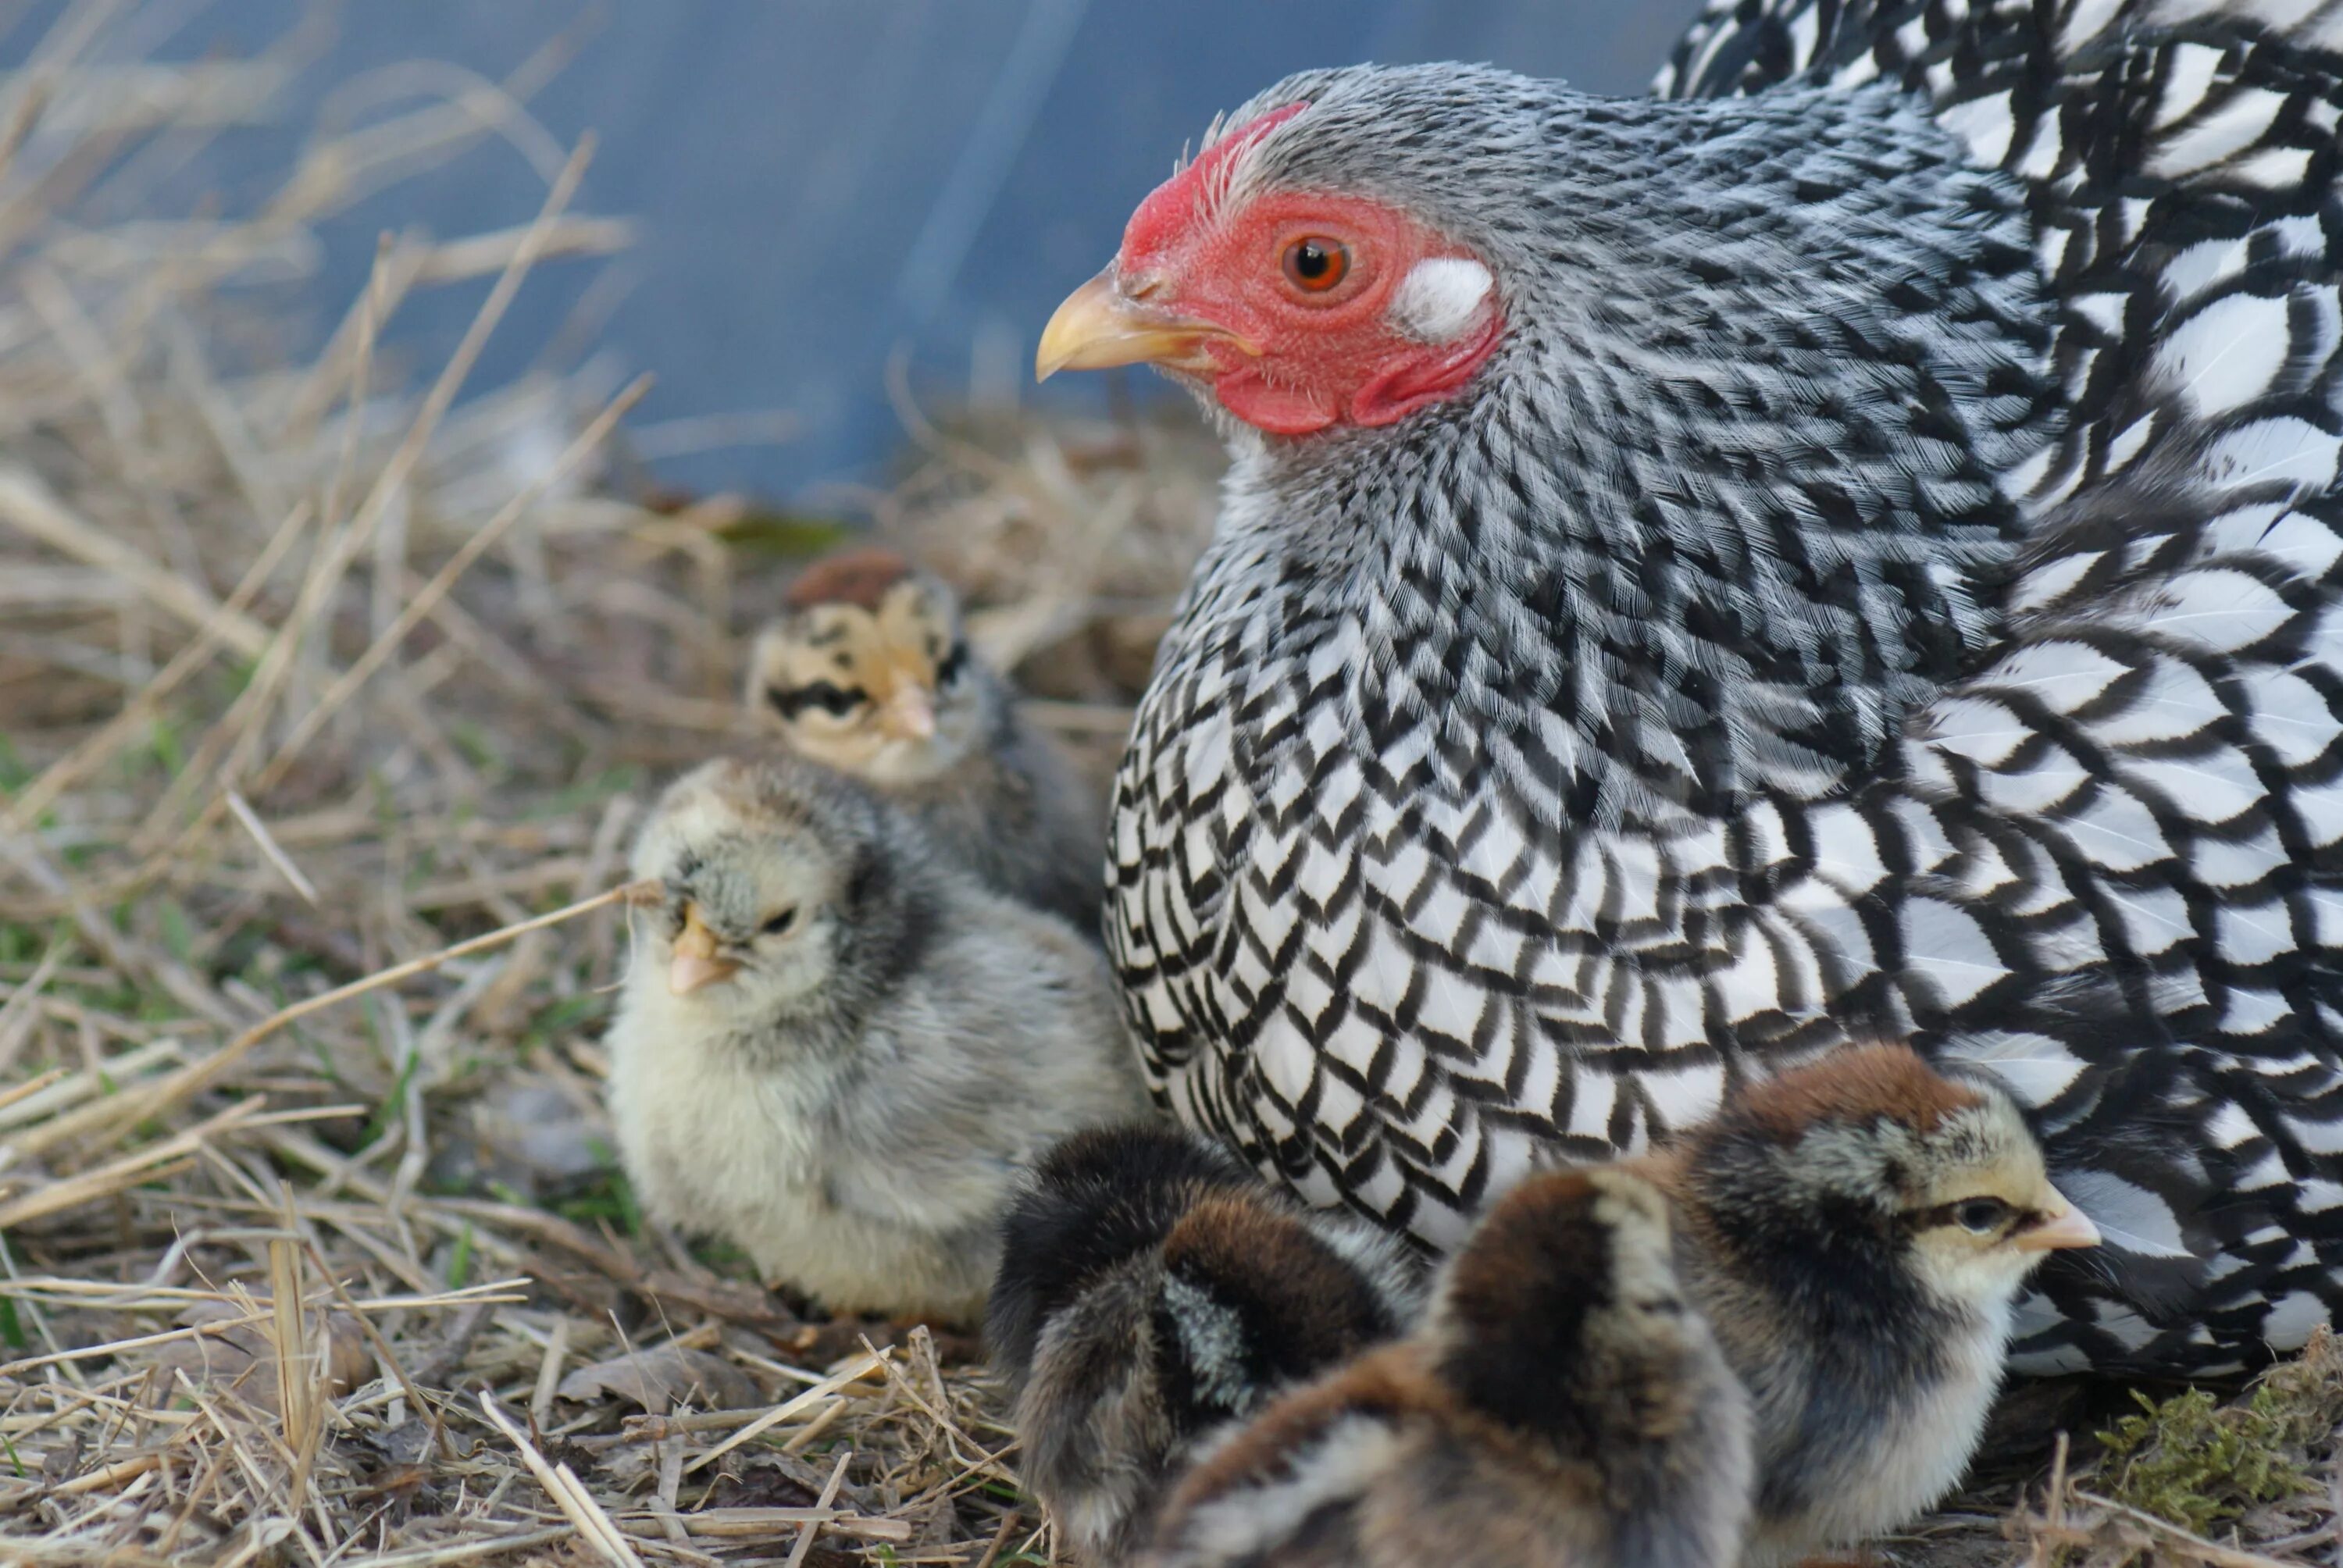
point(329, 696)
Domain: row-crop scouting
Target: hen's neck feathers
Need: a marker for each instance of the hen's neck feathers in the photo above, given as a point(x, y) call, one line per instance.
point(1738, 455)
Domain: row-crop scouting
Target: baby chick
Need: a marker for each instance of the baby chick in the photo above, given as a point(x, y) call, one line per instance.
point(1857, 1231)
point(836, 1049)
point(1561, 1405)
point(1151, 1291)
point(867, 669)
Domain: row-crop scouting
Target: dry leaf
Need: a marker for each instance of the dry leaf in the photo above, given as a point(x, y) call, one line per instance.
point(242, 1359)
point(660, 1379)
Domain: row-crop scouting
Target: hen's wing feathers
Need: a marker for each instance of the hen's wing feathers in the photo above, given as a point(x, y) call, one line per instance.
point(2182, 184)
point(2123, 888)
point(2148, 770)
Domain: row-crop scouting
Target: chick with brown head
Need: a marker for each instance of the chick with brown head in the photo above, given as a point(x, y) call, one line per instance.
point(1857, 1231)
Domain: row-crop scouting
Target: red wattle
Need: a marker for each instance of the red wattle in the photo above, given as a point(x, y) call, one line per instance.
point(1278, 409)
point(1427, 375)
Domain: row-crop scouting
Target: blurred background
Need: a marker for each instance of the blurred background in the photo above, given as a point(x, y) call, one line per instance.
point(822, 186)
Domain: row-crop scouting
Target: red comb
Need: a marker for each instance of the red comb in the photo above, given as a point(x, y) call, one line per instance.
point(1171, 205)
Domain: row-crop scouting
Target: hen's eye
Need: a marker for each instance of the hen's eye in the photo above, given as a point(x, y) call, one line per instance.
point(1316, 265)
point(781, 922)
point(1982, 1215)
point(954, 663)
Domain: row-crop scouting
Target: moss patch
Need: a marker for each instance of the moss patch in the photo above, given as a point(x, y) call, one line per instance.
point(2201, 1463)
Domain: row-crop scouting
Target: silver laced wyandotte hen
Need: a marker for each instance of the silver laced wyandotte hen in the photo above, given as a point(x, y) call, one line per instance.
point(1849, 549)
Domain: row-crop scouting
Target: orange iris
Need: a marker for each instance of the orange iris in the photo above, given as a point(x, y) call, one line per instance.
point(1316, 265)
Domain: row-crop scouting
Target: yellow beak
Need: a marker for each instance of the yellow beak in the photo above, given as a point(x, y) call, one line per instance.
point(2066, 1226)
point(1100, 326)
point(695, 964)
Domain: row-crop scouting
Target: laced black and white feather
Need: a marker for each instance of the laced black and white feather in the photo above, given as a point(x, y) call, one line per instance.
point(1886, 583)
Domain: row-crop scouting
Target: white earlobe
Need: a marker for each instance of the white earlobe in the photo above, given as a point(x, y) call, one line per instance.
point(1440, 297)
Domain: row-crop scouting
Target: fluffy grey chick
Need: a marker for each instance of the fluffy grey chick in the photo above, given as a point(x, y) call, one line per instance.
point(868, 668)
point(836, 1049)
point(1151, 1291)
point(1563, 1406)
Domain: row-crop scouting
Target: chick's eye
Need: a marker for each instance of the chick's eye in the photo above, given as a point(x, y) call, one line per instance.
point(781, 922)
point(1316, 265)
point(1982, 1215)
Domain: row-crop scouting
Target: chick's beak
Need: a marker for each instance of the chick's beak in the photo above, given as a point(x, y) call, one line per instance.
point(2064, 1225)
point(696, 963)
point(1101, 325)
point(912, 715)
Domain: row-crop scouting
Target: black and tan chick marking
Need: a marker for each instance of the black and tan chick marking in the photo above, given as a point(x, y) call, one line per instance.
point(1857, 1232)
point(868, 670)
point(1563, 1406)
point(1150, 1293)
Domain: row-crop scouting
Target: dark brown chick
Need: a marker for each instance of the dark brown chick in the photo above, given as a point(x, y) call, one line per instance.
point(1151, 1291)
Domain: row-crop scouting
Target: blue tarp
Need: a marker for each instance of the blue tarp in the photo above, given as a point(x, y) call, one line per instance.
point(824, 182)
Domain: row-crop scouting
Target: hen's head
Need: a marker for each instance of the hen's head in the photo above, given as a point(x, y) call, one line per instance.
point(1359, 246)
point(1296, 269)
